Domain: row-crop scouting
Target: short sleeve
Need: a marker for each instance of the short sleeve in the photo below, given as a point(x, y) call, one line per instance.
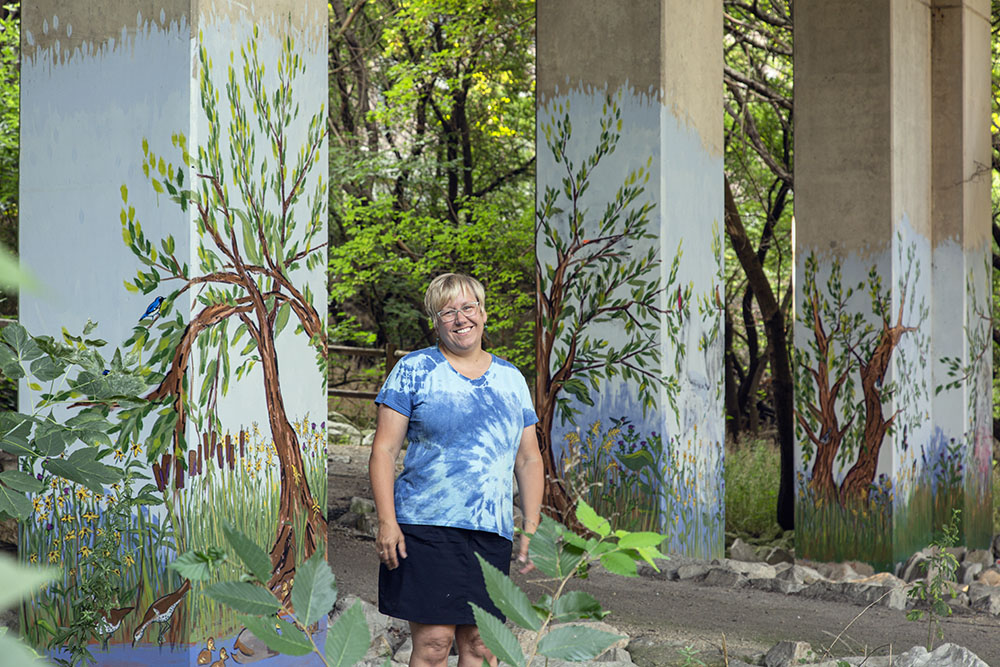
point(527, 409)
point(399, 389)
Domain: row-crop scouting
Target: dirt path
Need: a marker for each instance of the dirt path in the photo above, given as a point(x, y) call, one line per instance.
point(665, 617)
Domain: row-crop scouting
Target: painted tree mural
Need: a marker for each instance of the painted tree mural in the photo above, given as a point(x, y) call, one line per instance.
point(256, 230)
point(848, 349)
point(592, 271)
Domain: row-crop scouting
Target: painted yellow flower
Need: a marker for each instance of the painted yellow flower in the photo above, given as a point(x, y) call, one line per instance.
point(84, 551)
point(136, 448)
point(43, 517)
point(82, 493)
point(33, 558)
point(54, 483)
point(128, 560)
point(89, 516)
point(53, 556)
point(84, 531)
point(37, 503)
point(119, 456)
point(71, 535)
point(100, 531)
point(66, 518)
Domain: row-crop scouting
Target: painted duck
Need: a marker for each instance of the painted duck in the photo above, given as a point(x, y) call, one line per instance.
point(109, 622)
point(161, 611)
point(205, 655)
point(221, 662)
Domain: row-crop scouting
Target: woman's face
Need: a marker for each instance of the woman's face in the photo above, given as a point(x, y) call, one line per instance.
point(465, 332)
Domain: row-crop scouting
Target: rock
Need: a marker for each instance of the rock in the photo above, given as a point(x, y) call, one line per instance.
point(692, 571)
point(985, 598)
point(912, 569)
point(967, 571)
point(801, 574)
point(958, 552)
point(787, 654)
point(724, 577)
point(342, 433)
point(404, 652)
point(945, 655)
point(392, 631)
point(990, 577)
point(996, 546)
point(367, 437)
point(982, 556)
point(756, 570)
point(362, 505)
point(779, 555)
point(742, 551)
point(341, 459)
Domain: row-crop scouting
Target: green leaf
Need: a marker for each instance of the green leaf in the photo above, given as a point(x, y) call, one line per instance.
point(9, 364)
point(590, 519)
point(46, 369)
point(576, 643)
point(575, 605)
point(348, 638)
point(15, 429)
point(638, 460)
point(543, 548)
point(24, 347)
point(255, 558)
point(21, 481)
point(21, 580)
point(281, 319)
point(641, 540)
point(198, 565)
point(15, 504)
point(510, 599)
point(244, 597)
point(291, 641)
point(315, 589)
point(82, 468)
point(497, 637)
point(13, 651)
point(51, 438)
point(618, 563)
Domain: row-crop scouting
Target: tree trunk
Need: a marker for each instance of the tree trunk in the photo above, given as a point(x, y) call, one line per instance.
point(781, 368)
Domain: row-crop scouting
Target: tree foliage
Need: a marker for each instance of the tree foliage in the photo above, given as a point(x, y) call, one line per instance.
point(431, 163)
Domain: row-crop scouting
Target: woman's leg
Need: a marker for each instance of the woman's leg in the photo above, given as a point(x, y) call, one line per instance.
point(471, 649)
point(431, 644)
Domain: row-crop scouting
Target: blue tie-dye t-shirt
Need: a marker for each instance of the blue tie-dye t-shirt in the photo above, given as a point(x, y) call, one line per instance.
point(463, 437)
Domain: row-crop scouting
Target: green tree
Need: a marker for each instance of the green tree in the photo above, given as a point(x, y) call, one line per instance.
point(10, 86)
point(249, 252)
point(432, 165)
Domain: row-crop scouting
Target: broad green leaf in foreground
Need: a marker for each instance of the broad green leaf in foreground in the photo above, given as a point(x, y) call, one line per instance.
point(616, 562)
point(198, 565)
point(14, 503)
point(315, 589)
point(291, 640)
point(575, 642)
point(510, 599)
point(244, 597)
point(575, 605)
point(20, 580)
point(347, 640)
point(255, 559)
point(497, 637)
point(591, 520)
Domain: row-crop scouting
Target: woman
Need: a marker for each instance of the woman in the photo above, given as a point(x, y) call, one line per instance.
point(469, 420)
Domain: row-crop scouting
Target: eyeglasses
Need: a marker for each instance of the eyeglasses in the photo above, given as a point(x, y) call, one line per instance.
point(468, 310)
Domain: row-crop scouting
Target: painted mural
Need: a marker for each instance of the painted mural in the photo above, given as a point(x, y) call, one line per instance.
point(218, 234)
point(877, 474)
point(628, 385)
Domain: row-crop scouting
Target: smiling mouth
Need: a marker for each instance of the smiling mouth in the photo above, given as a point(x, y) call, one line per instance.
point(463, 330)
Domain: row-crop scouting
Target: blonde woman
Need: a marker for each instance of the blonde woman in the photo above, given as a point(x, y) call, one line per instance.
point(470, 424)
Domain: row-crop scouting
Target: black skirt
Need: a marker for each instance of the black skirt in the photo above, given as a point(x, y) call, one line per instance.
point(440, 575)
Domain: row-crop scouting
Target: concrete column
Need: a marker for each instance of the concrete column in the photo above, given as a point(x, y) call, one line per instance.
point(629, 256)
point(962, 339)
point(124, 106)
point(873, 460)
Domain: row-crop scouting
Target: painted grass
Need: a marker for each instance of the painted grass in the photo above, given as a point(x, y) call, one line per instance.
point(245, 494)
point(641, 482)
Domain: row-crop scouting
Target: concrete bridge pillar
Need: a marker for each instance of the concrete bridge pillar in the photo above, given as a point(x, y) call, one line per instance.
point(153, 203)
point(892, 274)
point(629, 260)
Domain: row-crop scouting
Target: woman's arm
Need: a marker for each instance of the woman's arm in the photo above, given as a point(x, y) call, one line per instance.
point(390, 431)
point(530, 475)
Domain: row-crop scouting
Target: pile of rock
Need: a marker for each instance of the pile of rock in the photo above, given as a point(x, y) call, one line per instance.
point(342, 432)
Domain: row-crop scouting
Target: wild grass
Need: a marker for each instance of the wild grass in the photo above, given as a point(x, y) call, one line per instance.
point(752, 472)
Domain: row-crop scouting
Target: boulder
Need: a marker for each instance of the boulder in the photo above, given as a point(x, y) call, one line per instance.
point(779, 555)
point(343, 434)
point(967, 571)
point(945, 655)
point(742, 551)
point(989, 577)
point(982, 556)
point(787, 654)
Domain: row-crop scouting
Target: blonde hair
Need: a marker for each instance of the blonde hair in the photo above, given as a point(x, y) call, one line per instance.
point(448, 286)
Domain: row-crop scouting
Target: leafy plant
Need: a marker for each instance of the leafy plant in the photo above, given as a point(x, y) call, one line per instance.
point(940, 568)
point(561, 554)
point(269, 617)
point(690, 655)
point(19, 582)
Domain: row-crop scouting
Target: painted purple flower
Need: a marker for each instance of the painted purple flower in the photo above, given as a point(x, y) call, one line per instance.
point(39, 476)
point(322, 424)
point(653, 433)
point(642, 443)
point(48, 526)
point(313, 425)
point(65, 490)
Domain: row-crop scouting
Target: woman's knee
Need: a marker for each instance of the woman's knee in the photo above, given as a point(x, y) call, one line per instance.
point(432, 642)
point(469, 640)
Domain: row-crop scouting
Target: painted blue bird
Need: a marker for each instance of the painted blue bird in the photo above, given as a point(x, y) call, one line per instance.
point(153, 310)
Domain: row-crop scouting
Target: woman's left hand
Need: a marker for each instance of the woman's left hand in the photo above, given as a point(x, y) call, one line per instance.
point(522, 556)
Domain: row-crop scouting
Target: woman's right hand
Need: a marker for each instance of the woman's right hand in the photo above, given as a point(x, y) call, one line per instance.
point(390, 544)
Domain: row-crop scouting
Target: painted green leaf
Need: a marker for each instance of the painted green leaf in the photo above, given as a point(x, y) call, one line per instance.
point(21, 481)
point(497, 637)
point(348, 638)
point(14, 503)
point(315, 589)
point(82, 468)
point(244, 597)
point(291, 641)
point(575, 643)
point(510, 599)
point(281, 319)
